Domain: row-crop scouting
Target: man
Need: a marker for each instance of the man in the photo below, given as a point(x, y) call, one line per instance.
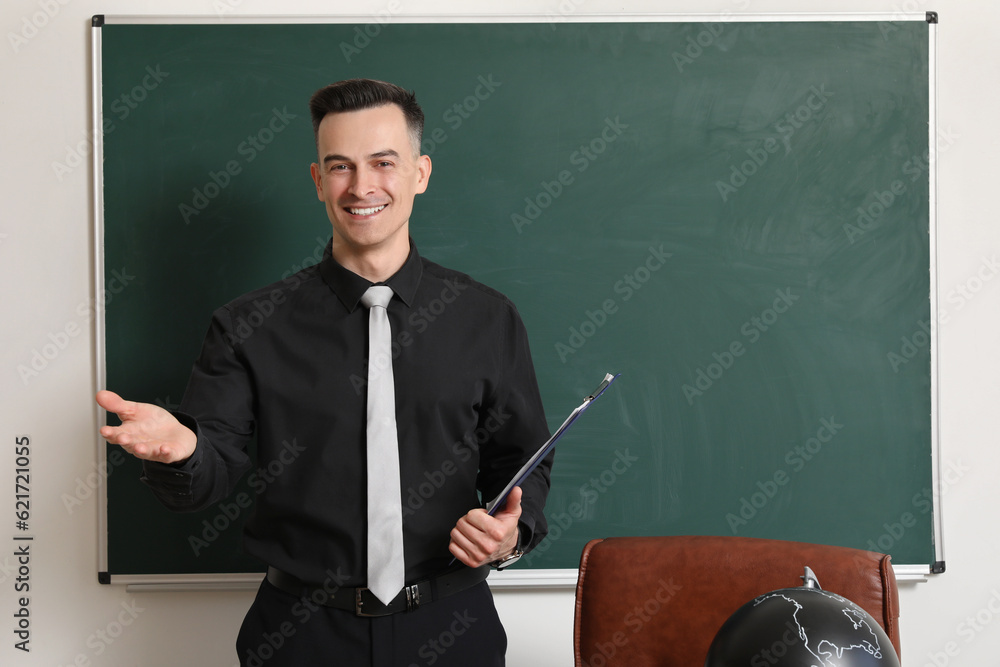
point(467, 413)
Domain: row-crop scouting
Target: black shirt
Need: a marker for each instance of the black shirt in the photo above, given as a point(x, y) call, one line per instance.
point(286, 364)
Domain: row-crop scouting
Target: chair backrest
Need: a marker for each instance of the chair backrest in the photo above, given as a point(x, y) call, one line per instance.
point(660, 600)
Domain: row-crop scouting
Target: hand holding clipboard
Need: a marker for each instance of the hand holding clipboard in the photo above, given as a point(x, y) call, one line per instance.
point(494, 505)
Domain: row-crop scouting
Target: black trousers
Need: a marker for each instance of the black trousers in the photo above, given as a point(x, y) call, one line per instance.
point(462, 630)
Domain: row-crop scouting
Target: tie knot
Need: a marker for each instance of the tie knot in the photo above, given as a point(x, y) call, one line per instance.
point(377, 295)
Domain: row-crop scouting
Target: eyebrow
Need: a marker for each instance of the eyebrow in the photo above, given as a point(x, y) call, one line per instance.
point(388, 152)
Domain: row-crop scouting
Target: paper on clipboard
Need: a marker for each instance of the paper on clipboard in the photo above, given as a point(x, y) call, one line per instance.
point(522, 474)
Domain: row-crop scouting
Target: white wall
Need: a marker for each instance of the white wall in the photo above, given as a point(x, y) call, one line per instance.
point(45, 273)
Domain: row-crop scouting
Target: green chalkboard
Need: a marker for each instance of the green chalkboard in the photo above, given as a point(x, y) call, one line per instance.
point(735, 216)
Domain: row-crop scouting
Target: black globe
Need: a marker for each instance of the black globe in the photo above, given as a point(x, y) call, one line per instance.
point(801, 627)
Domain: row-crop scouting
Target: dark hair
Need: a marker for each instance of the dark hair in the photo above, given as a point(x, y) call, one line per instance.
point(357, 94)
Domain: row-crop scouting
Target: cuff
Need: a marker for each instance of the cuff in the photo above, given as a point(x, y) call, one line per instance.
point(173, 481)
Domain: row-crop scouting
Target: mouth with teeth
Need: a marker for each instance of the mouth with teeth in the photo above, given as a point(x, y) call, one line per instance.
point(364, 212)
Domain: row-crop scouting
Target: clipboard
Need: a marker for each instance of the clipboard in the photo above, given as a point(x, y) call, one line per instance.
point(522, 474)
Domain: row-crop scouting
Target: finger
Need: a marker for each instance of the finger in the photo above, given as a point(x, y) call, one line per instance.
point(116, 435)
point(467, 551)
point(112, 402)
point(462, 549)
point(128, 439)
point(485, 531)
point(474, 541)
point(128, 432)
point(512, 506)
point(467, 536)
point(147, 451)
point(477, 519)
point(462, 556)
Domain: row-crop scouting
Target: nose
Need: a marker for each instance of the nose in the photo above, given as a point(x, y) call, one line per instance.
point(362, 185)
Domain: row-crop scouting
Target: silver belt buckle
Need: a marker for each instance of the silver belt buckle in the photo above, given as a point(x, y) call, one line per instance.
point(412, 597)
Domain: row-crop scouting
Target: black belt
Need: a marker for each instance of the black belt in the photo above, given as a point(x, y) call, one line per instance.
point(363, 602)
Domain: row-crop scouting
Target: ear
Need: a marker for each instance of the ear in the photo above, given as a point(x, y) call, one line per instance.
point(317, 179)
point(423, 172)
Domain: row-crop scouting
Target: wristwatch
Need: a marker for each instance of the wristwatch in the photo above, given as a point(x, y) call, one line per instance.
point(507, 560)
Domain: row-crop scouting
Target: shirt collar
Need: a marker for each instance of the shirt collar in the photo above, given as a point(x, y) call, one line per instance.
point(350, 287)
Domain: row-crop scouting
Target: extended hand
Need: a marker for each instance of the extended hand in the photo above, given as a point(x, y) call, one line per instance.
point(147, 431)
point(479, 538)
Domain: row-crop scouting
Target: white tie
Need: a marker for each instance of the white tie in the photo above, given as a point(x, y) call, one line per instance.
point(386, 571)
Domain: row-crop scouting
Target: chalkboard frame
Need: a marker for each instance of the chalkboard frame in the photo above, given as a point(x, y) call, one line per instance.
point(529, 578)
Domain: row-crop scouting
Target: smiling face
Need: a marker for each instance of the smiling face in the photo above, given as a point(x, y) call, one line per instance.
point(368, 175)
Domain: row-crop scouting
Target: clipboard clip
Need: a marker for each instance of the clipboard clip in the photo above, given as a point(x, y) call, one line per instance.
point(608, 379)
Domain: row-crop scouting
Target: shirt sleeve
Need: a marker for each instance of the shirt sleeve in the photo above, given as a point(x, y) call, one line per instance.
point(516, 418)
point(218, 407)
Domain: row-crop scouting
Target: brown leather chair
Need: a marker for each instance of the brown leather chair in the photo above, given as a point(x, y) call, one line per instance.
point(660, 600)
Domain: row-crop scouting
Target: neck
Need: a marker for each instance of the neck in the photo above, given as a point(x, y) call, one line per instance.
point(376, 264)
